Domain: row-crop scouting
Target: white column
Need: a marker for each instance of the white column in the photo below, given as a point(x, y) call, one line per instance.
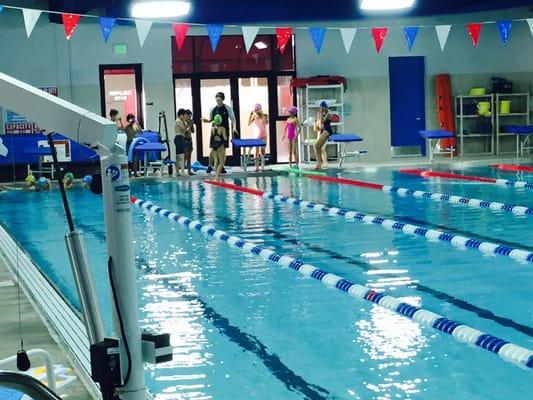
point(117, 209)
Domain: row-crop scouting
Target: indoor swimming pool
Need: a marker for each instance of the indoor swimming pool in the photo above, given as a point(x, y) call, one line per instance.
point(243, 327)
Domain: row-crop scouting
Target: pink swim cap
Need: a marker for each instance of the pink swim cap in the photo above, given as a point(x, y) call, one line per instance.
point(293, 110)
point(258, 107)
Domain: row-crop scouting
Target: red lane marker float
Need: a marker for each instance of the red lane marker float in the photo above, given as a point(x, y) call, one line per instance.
point(513, 168)
point(133, 199)
point(235, 187)
point(446, 175)
point(347, 182)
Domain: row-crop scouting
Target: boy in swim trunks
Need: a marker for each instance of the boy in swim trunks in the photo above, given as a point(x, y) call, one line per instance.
point(187, 140)
point(180, 129)
point(292, 128)
point(219, 136)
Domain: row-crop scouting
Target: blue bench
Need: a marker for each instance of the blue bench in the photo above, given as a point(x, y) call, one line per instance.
point(344, 139)
point(246, 156)
point(522, 132)
point(437, 135)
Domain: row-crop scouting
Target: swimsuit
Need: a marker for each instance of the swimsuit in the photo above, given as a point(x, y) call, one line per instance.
point(291, 131)
point(187, 144)
point(327, 126)
point(217, 140)
point(223, 112)
point(260, 128)
point(179, 143)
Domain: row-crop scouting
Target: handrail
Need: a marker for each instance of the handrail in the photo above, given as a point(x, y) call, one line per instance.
point(33, 354)
point(26, 384)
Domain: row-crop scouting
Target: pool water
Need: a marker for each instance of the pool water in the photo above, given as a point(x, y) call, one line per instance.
point(245, 328)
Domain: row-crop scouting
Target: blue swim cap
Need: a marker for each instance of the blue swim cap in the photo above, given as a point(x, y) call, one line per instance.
point(87, 179)
point(323, 104)
point(42, 181)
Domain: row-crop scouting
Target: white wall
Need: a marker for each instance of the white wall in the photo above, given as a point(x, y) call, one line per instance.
point(367, 71)
point(47, 59)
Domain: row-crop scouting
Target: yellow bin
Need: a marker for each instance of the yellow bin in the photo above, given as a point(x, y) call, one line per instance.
point(505, 106)
point(483, 108)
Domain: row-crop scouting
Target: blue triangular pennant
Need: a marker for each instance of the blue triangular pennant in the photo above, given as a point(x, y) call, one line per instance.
point(317, 35)
point(410, 33)
point(214, 31)
point(106, 24)
point(505, 29)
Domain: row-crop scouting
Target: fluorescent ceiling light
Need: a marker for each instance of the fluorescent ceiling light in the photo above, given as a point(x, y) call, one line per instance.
point(160, 9)
point(260, 45)
point(386, 5)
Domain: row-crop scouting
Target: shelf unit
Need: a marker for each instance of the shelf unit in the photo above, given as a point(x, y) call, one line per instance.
point(465, 124)
point(519, 115)
point(309, 98)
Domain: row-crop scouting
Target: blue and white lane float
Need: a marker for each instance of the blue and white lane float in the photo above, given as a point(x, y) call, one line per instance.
point(508, 352)
point(390, 224)
point(445, 198)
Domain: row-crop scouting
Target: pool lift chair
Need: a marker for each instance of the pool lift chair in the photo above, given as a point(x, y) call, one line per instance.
point(116, 362)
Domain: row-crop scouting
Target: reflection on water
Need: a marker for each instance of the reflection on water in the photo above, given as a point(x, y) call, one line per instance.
point(170, 306)
point(396, 341)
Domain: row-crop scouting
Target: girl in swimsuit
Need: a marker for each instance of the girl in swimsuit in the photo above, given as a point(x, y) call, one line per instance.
point(260, 121)
point(324, 130)
point(218, 137)
point(292, 128)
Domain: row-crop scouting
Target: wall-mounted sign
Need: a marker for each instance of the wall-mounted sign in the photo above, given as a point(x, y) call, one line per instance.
point(120, 95)
point(120, 49)
point(62, 149)
point(15, 123)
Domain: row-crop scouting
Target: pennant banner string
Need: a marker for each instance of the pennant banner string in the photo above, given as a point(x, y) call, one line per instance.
point(240, 26)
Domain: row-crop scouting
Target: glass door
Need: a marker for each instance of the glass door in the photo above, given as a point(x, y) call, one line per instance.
point(252, 91)
point(208, 89)
point(285, 99)
point(121, 89)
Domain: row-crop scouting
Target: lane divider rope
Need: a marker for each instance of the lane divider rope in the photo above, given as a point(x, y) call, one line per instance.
point(439, 197)
point(390, 224)
point(449, 175)
point(507, 351)
point(513, 167)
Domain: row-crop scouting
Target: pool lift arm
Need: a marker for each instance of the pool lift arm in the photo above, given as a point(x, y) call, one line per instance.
point(91, 130)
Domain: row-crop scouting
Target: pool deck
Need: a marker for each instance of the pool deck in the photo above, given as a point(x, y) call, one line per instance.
point(36, 335)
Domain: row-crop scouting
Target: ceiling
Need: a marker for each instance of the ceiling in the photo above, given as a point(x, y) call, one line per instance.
point(250, 11)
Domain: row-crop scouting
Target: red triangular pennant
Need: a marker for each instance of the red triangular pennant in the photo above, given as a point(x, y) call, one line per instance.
point(283, 35)
point(180, 30)
point(474, 31)
point(70, 22)
point(379, 35)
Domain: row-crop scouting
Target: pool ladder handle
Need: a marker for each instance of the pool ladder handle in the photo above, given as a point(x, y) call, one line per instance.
point(10, 364)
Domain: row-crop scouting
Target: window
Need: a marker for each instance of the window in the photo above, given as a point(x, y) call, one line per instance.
point(231, 56)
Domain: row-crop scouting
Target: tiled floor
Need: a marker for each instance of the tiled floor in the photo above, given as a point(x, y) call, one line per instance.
point(34, 331)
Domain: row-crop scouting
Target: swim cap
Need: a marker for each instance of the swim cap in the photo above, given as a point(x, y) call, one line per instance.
point(69, 176)
point(323, 104)
point(87, 179)
point(293, 110)
point(42, 181)
point(258, 107)
point(217, 120)
point(29, 179)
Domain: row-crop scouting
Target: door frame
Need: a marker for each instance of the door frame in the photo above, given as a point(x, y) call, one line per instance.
point(138, 87)
point(272, 79)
